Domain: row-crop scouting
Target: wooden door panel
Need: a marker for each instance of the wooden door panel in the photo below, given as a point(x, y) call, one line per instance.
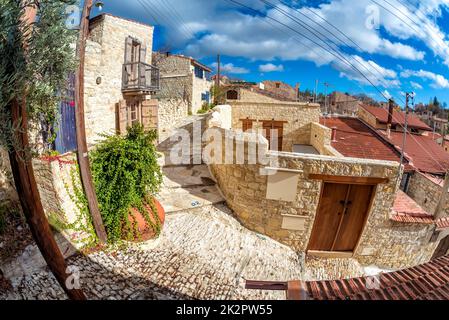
point(274, 125)
point(328, 217)
point(359, 201)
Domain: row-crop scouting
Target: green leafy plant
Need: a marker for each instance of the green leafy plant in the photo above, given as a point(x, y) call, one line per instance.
point(42, 71)
point(126, 175)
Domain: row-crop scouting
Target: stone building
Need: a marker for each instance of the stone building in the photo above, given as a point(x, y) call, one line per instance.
point(119, 77)
point(309, 195)
point(281, 88)
point(185, 83)
point(344, 104)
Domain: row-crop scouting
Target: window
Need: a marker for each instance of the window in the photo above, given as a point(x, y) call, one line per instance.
point(232, 95)
point(205, 96)
point(199, 72)
point(278, 85)
point(132, 116)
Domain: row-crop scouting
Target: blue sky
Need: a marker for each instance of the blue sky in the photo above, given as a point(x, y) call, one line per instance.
point(395, 45)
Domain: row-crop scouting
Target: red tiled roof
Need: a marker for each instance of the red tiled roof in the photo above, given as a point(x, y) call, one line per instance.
point(422, 152)
point(442, 223)
point(429, 281)
point(355, 139)
point(405, 209)
point(381, 115)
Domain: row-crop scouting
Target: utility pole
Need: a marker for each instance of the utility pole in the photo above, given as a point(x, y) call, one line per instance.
point(82, 150)
point(404, 138)
point(316, 91)
point(217, 80)
point(26, 186)
point(326, 85)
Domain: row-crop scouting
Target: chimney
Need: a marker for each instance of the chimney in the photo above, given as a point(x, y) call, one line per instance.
point(390, 112)
point(297, 87)
point(334, 134)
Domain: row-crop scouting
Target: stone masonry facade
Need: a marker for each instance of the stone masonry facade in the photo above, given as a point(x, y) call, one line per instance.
point(297, 117)
point(105, 55)
point(383, 242)
point(178, 81)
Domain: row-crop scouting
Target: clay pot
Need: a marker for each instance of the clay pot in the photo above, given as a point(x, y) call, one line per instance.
point(145, 230)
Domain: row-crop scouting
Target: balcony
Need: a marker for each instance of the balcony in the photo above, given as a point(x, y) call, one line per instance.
point(139, 77)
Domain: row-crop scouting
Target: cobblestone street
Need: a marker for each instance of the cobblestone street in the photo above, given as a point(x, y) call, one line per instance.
point(202, 253)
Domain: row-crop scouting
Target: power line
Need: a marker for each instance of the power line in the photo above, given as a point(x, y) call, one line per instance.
point(381, 79)
point(340, 56)
point(355, 68)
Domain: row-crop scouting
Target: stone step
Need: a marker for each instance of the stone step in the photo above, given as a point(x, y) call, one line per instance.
point(184, 176)
point(165, 160)
point(181, 199)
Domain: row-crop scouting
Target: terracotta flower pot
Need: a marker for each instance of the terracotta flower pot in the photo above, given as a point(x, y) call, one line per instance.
point(146, 232)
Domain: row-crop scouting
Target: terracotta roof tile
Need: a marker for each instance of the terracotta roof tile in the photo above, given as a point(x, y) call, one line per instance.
point(442, 223)
point(355, 139)
point(423, 282)
point(381, 115)
point(405, 206)
point(422, 152)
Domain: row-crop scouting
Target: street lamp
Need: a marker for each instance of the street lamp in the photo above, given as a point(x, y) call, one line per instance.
point(99, 4)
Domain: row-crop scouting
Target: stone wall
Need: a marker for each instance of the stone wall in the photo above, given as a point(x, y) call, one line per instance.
point(281, 88)
point(55, 185)
point(368, 117)
point(105, 55)
point(298, 117)
point(383, 242)
point(170, 112)
point(248, 95)
point(179, 70)
point(426, 192)
point(320, 139)
point(341, 103)
point(8, 193)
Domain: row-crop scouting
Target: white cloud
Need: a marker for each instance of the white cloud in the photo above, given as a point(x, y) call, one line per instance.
point(269, 67)
point(231, 68)
point(416, 85)
point(438, 80)
point(222, 27)
point(387, 94)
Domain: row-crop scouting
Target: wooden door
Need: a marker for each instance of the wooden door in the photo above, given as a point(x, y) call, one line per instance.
point(271, 126)
point(341, 216)
point(247, 124)
point(65, 127)
point(354, 217)
point(328, 216)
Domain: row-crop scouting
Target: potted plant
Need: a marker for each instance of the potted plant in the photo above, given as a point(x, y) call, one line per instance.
point(127, 176)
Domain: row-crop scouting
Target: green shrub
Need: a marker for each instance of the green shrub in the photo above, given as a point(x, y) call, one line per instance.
point(126, 175)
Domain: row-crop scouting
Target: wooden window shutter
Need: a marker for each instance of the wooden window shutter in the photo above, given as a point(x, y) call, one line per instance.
point(143, 53)
point(247, 124)
point(128, 49)
point(122, 117)
point(150, 114)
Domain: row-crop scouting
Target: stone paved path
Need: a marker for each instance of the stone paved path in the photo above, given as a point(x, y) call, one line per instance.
point(202, 254)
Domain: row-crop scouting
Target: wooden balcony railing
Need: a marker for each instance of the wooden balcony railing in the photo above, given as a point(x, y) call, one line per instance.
point(140, 77)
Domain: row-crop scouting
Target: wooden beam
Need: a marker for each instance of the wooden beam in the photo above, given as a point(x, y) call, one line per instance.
point(82, 150)
point(26, 186)
point(348, 180)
